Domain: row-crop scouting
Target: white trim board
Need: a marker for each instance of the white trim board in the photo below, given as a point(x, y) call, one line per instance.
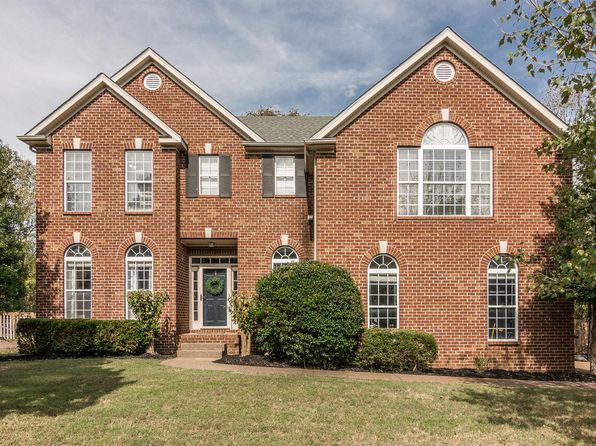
point(485, 68)
point(41, 132)
point(150, 57)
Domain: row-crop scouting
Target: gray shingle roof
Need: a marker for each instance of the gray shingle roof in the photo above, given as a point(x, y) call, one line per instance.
point(285, 128)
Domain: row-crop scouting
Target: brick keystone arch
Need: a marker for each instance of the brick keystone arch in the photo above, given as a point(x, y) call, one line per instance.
point(129, 241)
point(292, 243)
point(66, 242)
point(392, 251)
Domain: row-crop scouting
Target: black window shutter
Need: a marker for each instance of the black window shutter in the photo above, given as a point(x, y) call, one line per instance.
point(225, 176)
point(268, 176)
point(300, 177)
point(192, 176)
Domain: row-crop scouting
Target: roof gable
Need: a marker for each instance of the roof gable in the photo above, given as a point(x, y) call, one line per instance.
point(150, 57)
point(476, 61)
point(39, 136)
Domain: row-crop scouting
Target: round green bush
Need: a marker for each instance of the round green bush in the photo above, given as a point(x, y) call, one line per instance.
point(396, 350)
point(308, 314)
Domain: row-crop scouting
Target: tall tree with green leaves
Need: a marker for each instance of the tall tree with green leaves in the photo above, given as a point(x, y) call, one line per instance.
point(554, 37)
point(557, 38)
point(17, 230)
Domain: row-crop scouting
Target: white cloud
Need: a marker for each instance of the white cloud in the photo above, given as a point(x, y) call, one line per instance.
point(315, 55)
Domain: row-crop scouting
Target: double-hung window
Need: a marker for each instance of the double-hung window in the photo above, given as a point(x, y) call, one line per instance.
point(285, 172)
point(77, 181)
point(444, 177)
point(139, 272)
point(383, 292)
point(502, 299)
point(77, 282)
point(209, 175)
point(139, 181)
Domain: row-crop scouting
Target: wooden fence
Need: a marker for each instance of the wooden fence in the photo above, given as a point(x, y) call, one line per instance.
point(8, 324)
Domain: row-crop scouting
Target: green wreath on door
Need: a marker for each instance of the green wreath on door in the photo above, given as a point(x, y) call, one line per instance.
point(214, 285)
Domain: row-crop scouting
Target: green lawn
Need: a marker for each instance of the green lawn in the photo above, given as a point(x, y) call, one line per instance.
point(139, 401)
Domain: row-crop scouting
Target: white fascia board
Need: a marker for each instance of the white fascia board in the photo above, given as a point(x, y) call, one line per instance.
point(450, 40)
point(84, 96)
point(149, 56)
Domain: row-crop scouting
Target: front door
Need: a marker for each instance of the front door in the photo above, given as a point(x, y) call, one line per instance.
point(215, 297)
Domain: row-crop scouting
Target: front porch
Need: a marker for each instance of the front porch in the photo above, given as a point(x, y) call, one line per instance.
point(213, 276)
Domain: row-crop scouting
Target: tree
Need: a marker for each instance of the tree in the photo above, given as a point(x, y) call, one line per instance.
point(568, 268)
point(272, 111)
point(555, 37)
point(17, 229)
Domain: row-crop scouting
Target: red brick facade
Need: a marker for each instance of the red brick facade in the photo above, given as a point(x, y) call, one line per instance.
point(442, 260)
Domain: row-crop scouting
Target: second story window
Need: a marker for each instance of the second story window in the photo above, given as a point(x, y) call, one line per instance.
point(139, 181)
point(77, 181)
point(209, 175)
point(445, 177)
point(284, 175)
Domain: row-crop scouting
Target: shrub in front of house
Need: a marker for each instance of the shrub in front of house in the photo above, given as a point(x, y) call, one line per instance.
point(308, 314)
point(396, 350)
point(81, 337)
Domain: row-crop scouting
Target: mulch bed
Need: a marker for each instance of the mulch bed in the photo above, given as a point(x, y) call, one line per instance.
point(261, 361)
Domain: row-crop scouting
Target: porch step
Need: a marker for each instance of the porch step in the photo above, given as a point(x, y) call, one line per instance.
point(200, 350)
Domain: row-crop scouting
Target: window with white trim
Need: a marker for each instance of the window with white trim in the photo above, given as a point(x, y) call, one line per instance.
point(285, 175)
point(77, 282)
point(139, 180)
point(139, 272)
point(502, 299)
point(77, 181)
point(383, 292)
point(283, 256)
point(445, 177)
point(209, 175)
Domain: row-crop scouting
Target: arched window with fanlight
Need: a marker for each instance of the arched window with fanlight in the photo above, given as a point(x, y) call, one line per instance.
point(383, 292)
point(139, 271)
point(282, 256)
point(77, 282)
point(502, 299)
point(444, 177)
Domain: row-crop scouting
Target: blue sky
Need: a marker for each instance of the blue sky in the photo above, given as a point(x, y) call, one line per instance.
point(315, 55)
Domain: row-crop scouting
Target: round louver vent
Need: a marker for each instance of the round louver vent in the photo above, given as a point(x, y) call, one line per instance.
point(152, 81)
point(444, 71)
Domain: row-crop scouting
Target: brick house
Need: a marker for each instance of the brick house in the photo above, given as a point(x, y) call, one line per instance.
point(420, 189)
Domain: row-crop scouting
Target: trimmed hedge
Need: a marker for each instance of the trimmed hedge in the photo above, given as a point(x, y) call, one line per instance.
point(308, 314)
point(396, 350)
point(81, 337)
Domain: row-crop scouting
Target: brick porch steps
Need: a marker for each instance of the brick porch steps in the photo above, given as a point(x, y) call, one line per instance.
point(200, 350)
point(225, 340)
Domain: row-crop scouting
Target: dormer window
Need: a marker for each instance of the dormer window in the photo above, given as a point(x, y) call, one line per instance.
point(444, 177)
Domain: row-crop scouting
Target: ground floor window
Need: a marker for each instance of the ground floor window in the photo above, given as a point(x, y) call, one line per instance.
point(502, 299)
point(383, 292)
point(139, 272)
point(282, 256)
point(77, 282)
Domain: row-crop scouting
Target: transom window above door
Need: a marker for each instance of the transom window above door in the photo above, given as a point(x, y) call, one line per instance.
point(444, 177)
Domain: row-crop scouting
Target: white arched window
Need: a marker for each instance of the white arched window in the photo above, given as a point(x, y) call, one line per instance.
point(282, 256)
point(502, 299)
point(383, 292)
point(445, 177)
point(77, 282)
point(139, 271)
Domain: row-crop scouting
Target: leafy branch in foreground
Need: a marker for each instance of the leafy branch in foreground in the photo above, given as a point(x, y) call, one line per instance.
point(556, 37)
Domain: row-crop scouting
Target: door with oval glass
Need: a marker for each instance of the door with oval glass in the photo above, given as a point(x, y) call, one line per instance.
point(215, 297)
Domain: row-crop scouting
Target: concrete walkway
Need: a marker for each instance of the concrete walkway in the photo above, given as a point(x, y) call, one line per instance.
point(207, 364)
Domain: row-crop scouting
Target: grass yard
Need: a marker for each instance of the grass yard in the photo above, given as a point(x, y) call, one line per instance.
point(139, 401)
